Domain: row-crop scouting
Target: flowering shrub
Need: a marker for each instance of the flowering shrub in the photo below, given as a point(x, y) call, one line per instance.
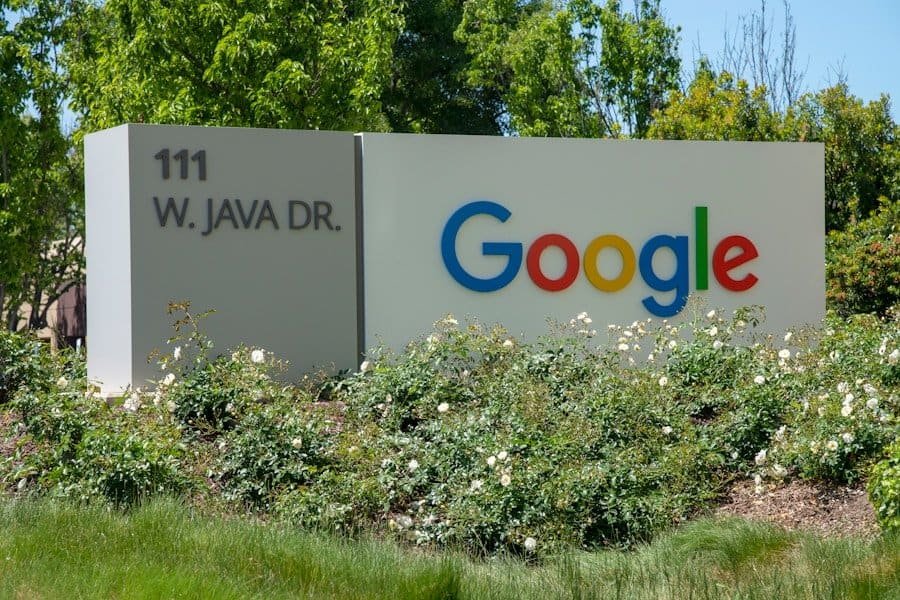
point(884, 489)
point(84, 447)
point(274, 448)
point(474, 439)
point(863, 263)
point(25, 362)
point(206, 394)
point(844, 409)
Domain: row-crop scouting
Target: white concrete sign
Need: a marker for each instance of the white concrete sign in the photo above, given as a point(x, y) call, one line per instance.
point(515, 231)
point(314, 245)
point(259, 225)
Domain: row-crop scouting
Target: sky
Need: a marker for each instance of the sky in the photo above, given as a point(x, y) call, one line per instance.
point(860, 38)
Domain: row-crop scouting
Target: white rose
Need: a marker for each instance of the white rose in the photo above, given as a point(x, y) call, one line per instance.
point(760, 457)
point(502, 455)
point(894, 356)
point(491, 460)
point(257, 356)
point(759, 380)
point(62, 382)
point(443, 407)
point(413, 465)
point(779, 433)
point(663, 381)
point(505, 480)
point(365, 366)
point(132, 403)
point(530, 544)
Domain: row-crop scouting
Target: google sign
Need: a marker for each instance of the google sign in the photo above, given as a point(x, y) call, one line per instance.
point(519, 231)
point(678, 245)
point(318, 245)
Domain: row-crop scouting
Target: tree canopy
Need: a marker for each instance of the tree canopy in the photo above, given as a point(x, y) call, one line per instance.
point(41, 204)
point(263, 63)
point(575, 68)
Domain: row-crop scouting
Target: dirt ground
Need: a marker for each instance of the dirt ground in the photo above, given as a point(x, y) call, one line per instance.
point(797, 505)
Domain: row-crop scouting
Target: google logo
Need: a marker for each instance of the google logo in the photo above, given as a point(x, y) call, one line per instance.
point(729, 253)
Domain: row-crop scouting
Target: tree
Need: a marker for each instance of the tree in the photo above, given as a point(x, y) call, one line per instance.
point(862, 153)
point(862, 150)
point(428, 91)
point(639, 65)
point(748, 54)
point(264, 63)
point(41, 205)
point(572, 68)
point(716, 107)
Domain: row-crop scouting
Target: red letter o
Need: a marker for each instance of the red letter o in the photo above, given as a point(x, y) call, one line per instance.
point(533, 262)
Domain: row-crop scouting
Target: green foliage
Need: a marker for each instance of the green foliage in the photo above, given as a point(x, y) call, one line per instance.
point(259, 63)
point(23, 361)
point(85, 448)
point(41, 190)
point(863, 263)
point(427, 91)
point(119, 457)
point(716, 107)
point(862, 156)
point(884, 489)
point(574, 68)
point(638, 64)
point(862, 152)
point(844, 411)
point(276, 448)
point(471, 439)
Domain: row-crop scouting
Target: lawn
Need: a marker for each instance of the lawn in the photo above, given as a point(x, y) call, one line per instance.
point(166, 550)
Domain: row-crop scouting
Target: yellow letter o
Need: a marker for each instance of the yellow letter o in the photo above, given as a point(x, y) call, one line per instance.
point(592, 253)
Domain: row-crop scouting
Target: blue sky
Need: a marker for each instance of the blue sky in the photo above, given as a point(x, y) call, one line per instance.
point(863, 36)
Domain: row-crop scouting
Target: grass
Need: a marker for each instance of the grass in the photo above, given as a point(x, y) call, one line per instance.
point(163, 549)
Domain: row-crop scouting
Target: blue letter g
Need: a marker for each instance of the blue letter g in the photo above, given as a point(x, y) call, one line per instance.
point(509, 249)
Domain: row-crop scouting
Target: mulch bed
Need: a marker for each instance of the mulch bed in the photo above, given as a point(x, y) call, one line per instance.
point(819, 508)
